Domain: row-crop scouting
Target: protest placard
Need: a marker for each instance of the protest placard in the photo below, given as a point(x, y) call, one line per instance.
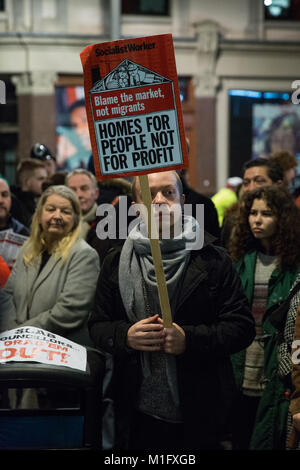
point(135, 120)
point(133, 106)
point(31, 344)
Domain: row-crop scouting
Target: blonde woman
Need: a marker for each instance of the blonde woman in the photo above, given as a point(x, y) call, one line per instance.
point(53, 282)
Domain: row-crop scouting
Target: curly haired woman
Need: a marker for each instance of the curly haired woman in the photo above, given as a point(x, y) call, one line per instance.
point(265, 248)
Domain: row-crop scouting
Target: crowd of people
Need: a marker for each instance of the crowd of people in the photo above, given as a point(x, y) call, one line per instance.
point(223, 375)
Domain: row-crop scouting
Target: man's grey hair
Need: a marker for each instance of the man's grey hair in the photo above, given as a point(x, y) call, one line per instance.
point(82, 171)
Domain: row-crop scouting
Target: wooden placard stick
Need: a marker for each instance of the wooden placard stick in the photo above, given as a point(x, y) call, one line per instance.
point(156, 254)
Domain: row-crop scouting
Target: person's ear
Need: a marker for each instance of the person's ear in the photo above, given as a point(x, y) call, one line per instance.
point(25, 182)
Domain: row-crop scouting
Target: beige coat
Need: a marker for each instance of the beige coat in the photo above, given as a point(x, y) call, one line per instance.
point(58, 299)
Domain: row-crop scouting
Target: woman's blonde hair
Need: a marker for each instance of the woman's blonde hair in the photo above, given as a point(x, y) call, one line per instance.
point(35, 245)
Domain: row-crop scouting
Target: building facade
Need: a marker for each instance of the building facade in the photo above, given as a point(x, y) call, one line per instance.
point(222, 49)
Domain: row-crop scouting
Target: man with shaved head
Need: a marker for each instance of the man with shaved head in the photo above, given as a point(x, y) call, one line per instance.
point(6, 220)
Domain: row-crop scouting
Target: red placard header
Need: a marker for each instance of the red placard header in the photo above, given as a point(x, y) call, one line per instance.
point(133, 107)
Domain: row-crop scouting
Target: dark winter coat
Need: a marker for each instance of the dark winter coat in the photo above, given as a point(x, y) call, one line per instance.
point(16, 226)
point(211, 223)
point(214, 314)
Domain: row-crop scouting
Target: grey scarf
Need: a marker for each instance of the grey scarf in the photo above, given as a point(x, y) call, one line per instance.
point(137, 276)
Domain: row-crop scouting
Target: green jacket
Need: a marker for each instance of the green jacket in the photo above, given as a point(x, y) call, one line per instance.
point(269, 428)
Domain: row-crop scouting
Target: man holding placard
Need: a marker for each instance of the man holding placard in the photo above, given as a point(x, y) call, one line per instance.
point(169, 306)
point(172, 386)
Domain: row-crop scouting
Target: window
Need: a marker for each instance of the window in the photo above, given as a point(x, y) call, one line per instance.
point(183, 83)
point(282, 10)
point(262, 122)
point(2, 5)
point(146, 7)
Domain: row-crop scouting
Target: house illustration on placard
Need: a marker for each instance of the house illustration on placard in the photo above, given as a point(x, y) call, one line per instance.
point(128, 74)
